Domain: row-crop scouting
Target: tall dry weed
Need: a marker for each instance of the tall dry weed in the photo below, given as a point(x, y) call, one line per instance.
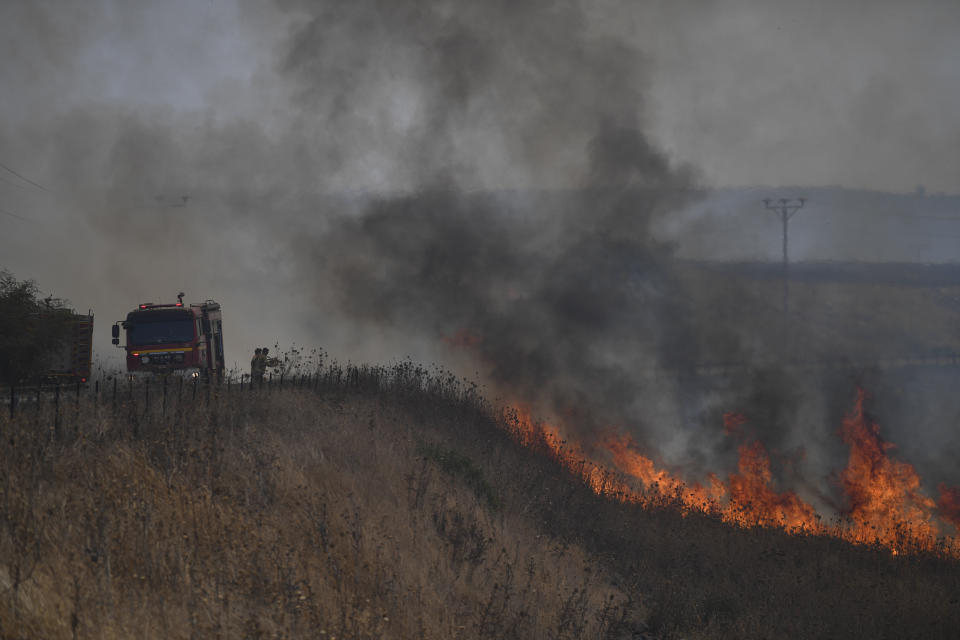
point(366, 502)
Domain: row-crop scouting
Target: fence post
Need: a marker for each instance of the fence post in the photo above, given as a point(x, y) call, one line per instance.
point(56, 417)
point(76, 411)
point(134, 416)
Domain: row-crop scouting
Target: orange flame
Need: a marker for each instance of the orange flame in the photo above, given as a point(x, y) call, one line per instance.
point(748, 499)
point(885, 503)
point(546, 438)
point(658, 482)
point(753, 500)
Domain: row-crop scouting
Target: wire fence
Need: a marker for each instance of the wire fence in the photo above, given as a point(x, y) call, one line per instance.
point(67, 411)
point(59, 404)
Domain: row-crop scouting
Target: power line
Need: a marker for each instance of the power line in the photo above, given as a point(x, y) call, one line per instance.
point(14, 215)
point(12, 183)
point(24, 178)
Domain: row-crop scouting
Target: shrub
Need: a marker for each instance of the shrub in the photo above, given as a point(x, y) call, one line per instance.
point(32, 327)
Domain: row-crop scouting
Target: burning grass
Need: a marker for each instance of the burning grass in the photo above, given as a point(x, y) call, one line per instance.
point(395, 503)
point(884, 502)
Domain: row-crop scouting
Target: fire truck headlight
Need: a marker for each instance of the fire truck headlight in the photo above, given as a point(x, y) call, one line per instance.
point(145, 359)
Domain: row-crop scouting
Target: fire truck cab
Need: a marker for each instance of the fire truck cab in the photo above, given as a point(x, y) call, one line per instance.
point(174, 338)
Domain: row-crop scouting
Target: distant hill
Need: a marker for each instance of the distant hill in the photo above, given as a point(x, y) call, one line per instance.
point(836, 224)
point(892, 273)
point(838, 310)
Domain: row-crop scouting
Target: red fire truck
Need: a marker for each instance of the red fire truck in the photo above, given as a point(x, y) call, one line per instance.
point(174, 338)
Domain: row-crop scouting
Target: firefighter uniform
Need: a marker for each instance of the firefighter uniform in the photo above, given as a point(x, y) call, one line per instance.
point(258, 365)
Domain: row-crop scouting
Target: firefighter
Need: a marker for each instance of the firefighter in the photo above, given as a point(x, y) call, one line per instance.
point(257, 366)
point(268, 361)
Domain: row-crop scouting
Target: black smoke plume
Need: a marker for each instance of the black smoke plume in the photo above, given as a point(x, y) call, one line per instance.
point(560, 293)
point(465, 181)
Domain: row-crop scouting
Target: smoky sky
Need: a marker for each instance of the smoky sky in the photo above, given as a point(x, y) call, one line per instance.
point(563, 296)
point(478, 183)
point(857, 94)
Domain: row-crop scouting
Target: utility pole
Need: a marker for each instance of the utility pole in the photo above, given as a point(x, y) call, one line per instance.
point(786, 207)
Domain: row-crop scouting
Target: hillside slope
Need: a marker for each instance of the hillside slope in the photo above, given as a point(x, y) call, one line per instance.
point(390, 503)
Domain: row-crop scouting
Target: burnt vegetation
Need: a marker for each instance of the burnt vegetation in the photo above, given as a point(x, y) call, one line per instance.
point(388, 502)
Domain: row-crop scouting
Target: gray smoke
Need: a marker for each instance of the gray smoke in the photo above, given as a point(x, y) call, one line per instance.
point(562, 296)
point(468, 182)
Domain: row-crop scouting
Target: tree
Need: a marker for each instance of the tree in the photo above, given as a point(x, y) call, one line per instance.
point(32, 329)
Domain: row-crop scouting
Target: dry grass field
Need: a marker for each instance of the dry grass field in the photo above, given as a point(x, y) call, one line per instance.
point(389, 503)
point(861, 313)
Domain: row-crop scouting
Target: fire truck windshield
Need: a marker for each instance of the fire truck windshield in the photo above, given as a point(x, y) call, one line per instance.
point(143, 331)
